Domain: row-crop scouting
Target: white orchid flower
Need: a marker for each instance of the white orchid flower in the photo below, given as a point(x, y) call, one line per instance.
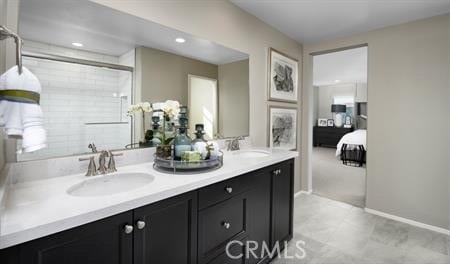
point(144, 107)
point(171, 108)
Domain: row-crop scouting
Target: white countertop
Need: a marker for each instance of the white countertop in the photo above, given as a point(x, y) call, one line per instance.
point(34, 209)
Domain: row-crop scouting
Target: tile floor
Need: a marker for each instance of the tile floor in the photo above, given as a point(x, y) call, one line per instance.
point(338, 233)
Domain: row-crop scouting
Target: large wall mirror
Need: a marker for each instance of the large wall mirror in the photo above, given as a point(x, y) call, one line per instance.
point(93, 62)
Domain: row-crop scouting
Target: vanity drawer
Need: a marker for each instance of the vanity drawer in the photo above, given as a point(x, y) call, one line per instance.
point(221, 223)
point(223, 190)
point(237, 252)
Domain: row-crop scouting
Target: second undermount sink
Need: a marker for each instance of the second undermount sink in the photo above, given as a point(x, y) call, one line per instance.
point(110, 184)
point(251, 153)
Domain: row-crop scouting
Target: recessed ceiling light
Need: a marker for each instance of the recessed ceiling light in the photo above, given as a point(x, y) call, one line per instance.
point(337, 81)
point(180, 40)
point(77, 44)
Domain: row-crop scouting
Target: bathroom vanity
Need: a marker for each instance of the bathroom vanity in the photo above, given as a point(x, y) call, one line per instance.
point(50, 212)
point(176, 219)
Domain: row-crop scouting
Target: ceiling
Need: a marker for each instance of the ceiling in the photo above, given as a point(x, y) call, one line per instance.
point(310, 21)
point(107, 31)
point(346, 66)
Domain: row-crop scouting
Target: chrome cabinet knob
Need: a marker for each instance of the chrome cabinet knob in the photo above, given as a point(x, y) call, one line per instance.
point(226, 225)
point(128, 229)
point(277, 171)
point(140, 224)
point(229, 189)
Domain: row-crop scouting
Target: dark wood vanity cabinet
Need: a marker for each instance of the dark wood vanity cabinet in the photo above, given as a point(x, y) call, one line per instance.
point(170, 231)
point(103, 241)
point(254, 208)
point(234, 210)
point(282, 203)
point(163, 232)
point(187, 229)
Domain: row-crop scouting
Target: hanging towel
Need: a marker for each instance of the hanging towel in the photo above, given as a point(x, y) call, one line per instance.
point(20, 112)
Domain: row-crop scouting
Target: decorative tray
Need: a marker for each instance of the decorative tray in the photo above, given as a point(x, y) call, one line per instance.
point(178, 166)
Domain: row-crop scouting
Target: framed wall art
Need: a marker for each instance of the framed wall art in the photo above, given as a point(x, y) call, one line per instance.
point(283, 77)
point(282, 127)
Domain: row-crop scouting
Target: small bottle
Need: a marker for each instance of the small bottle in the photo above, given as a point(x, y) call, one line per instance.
point(199, 143)
point(182, 143)
point(198, 134)
point(156, 139)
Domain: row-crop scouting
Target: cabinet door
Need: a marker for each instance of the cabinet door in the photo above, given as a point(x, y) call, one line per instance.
point(170, 231)
point(282, 202)
point(103, 241)
point(259, 213)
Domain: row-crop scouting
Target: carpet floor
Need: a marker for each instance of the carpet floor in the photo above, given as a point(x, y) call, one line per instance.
point(334, 180)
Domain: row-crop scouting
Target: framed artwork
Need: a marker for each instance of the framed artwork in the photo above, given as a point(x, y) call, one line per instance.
point(330, 122)
point(283, 77)
point(282, 128)
point(322, 122)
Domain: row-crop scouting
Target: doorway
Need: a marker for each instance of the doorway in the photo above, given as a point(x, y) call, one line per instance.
point(202, 102)
point(340, 125)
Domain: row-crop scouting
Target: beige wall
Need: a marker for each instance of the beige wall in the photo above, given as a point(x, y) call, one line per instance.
point(226, 24)
point(326, 94)
point(408, 164)
point(233, 99)
point(164, 75)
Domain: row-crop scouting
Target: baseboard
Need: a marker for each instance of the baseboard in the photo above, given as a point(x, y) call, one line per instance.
point(302, 192)
point(408, 221)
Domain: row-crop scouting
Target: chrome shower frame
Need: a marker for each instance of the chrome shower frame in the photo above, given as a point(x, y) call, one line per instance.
point(5, 33)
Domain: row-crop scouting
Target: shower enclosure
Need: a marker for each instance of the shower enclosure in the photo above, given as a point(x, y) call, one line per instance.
point(83, 101)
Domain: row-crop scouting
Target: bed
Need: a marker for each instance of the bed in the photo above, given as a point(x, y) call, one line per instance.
point(352, 148)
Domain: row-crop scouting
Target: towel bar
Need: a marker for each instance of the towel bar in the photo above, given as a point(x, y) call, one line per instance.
point(5, 33)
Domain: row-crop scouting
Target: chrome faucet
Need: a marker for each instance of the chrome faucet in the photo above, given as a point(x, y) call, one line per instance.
point(92, 169)
point(233, 144)
point(102, 162)
point(102, 169)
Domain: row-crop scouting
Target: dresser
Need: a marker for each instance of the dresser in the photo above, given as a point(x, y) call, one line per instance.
point(328, 136)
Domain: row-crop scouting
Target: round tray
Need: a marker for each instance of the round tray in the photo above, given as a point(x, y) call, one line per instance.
point(177, 166)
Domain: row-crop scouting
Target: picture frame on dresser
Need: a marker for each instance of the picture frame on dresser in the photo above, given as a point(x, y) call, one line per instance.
point(330, 122)
point(322, 122)
point(282, 127)
point(282, 77)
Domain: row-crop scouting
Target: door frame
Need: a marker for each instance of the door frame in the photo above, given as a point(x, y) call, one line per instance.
point(307, 118)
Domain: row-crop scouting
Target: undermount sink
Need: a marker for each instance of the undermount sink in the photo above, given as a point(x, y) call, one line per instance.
point(251, 153)
point(110, 184)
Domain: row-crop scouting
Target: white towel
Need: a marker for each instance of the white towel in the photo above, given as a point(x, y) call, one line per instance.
point(22, 120)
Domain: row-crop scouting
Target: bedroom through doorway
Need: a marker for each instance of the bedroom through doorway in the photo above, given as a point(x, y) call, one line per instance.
point(340, 125)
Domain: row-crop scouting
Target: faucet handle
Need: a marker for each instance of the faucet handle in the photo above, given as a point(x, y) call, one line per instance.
point(92, 147)
point(112, 162)
point(92, 169)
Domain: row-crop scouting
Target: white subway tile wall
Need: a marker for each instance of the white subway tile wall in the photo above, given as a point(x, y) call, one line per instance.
point(76, 98)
